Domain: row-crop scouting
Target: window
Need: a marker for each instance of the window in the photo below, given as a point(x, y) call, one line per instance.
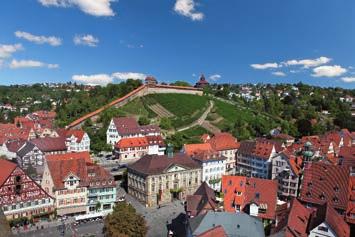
point(230, 182)
point(257, 195)
point(323, 228)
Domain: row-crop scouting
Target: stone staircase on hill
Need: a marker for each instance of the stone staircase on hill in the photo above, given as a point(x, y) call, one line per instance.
point(161, 111)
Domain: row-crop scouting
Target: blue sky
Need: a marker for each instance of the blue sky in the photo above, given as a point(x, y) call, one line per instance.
point(236, 41)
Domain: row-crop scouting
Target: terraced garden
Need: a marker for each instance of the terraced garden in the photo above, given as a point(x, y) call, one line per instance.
point(185, 108)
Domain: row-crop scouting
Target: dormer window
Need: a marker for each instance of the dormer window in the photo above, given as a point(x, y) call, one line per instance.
point(335, 199)
point(230, 182)
point(308, 194)
point(322, 196)
point(336, 189)
point(310, 184)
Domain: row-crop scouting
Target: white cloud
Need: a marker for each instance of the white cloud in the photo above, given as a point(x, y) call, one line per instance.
point(348, 79)
point(279, 74)
point(15, 64)
point(91, 7)
point(308, 63)
point(51, 40)
point(264, 66)
point(328, 71)
point(215, 77)
point(96, 79)
point(187, 8)
point(88, 40)
point(6, 50)
point(103, 79)
point(128, 75)
point(52, 66)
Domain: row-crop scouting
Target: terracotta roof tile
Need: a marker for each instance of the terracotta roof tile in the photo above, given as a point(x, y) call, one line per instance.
point(60, 169)
point(263, 192)
point(298, 220)
point(193, 149)
point(70, 156)
point(132, 142)
point(154, 164)
point(198, 201)
point(6, 168)
point(337, 223)
point(325, 183)
point(259, 148)
point(223, 141)
point(350, 210)
point(50, 144)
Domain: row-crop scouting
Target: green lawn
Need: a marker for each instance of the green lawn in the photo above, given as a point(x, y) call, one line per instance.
point(186, 108)
point(137, 107)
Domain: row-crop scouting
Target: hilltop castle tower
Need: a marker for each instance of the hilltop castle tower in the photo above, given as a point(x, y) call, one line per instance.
point(202, 82)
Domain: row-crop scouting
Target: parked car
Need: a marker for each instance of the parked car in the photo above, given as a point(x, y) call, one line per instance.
point(114, 169)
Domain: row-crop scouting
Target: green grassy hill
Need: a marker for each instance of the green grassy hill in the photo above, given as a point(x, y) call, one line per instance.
point(243, 122)
point(184, 108)
point(180, 110)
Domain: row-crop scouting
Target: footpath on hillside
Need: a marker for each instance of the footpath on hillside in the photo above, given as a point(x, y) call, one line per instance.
point(202, 121)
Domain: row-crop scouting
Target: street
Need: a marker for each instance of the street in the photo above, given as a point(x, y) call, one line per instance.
point(87, 229)
point(157, 221)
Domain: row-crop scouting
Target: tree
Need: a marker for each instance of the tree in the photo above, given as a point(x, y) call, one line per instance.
point(165, 123)
point(143, 120)
point(180, 83)
point(124, 221)
point(304, 127)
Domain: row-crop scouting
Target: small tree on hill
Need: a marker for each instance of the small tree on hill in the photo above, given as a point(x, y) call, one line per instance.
point(143, 120)
point(124, 221)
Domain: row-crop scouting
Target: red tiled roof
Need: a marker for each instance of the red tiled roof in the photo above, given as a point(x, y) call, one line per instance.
point(99, 176)
point(262, 149)
point(325, 183)
point(202, 200)
point(223, 141)
point(350, 210)
point(60, 169)
point(78, 133)
point(205, 137)
point(193, 149)
point(294, 161)
point(284, 136)
point(298, 220)
point(45, 114)
point(6, 168)
point(50, 144)
point(154, 164)
point(128, 125)
point(132, 142)
point(11, 132)
point(217, 231)
point(70, 156)
point(208, 155)
point(337, 223)
point(155, 140)
point(14, 146)
point(253, 190)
